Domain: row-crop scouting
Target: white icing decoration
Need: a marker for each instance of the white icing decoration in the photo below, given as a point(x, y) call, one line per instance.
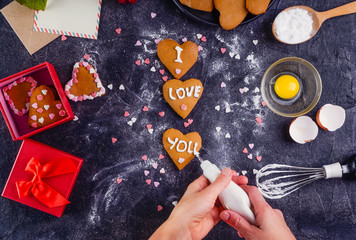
point(179, 51)
point(171, 142)
point(189, 93)
point(41, 120)
point(185, 146)
point(180, 90)
point(197, 91)
point(195, 149)
point(170, 94)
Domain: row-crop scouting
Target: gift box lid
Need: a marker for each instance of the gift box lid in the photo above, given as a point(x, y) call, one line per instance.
point(63, 184)
point(44, 74)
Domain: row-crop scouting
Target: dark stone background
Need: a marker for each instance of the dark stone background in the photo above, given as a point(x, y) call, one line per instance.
point(102, 209)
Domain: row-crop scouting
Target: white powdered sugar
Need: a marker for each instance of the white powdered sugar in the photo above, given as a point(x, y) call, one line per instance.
point(293, 26)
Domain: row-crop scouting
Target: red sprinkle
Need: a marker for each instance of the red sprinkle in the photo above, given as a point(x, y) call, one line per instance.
point(118, 31)
point(258, 120)
point(144, 157)
point(118, 180)
point(159, 208)
point(113, 140)
point(145, 109)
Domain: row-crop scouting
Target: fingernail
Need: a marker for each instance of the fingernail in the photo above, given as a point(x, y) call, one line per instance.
point(225, 216)
point(226, 171)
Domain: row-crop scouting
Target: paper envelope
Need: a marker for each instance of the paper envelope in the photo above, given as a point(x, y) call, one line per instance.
point(20, 19)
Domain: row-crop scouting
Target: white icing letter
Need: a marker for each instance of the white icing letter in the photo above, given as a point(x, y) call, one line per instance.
point(171, 142)
point(180, 90)
point(197, 91)
point(170, 94)
point(179, 50)
point(189, 93)
point(195, 149)
point(189, 145)
point(185, 146)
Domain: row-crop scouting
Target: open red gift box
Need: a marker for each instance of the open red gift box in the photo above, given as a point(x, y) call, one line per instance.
point(59, 179)
point(18, 125)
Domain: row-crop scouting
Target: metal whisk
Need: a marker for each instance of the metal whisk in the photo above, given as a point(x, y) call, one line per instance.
point(276, 180)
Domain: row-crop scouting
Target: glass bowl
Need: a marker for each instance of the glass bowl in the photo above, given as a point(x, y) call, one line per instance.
point(310, 83)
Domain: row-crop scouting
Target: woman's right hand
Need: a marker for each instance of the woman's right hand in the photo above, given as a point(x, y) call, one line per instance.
point(270, 223)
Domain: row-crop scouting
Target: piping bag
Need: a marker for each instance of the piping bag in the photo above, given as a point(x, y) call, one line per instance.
point(233, 197)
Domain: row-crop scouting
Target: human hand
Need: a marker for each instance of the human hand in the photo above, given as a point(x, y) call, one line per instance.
point(270, 223)
point(197, 212)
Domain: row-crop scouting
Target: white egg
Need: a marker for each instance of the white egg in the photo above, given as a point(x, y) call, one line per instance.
point(331, 117)
point(303, 129)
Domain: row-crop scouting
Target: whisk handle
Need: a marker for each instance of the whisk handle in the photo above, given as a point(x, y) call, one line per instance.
point(349, 169)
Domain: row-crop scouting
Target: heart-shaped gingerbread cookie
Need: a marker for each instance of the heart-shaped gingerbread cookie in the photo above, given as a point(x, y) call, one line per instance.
point(203, 5)
point(177, 58)
point(44, 109)
point(18, 94)
point(232, 12)
point(181, 148)
point(182, 96)
point(85, 83)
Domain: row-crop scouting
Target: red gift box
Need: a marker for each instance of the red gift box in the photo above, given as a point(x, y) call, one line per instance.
point(61, 184)
point(18, 125)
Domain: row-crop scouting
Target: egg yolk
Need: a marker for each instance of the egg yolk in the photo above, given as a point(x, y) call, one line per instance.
point(286, 87)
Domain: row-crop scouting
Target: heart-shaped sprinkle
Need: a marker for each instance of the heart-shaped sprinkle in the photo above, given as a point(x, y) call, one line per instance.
point(126, 114)
point(86, 56)
point(242, 91)
point(223, 50)
point(138, 62)
point(138, 43)
point(162, 171)
point(183, 107)
point(255, 42)
point(190, 121)
point(34, 117)
point(199, 36)
point(200, 48)
point(263, 103)
point(153, 15)
point(186, 124)
point(118, 180)
point(39, 97)
point(144, 157)
point(259, 158)
point(161, 114)
point(178, 71)
point(150, 131)
point(158, 40)
point(59, 105)
point(41, 120)
point(34, 105)
point(62, 113)
point(227, 135)
point(121, 87)
point(217, 108)
point(40, 110)
point(165, 78)
point(113, 140)
point(110, 86)
point(249, 156)
point(161, 71)
point(148, 126)
point(159, 208)
point(34, 125)
point(218, 129)
point(184, 39)
point(203, 39)
point(156, 184)
point(148, 181)
point(153, 69)
point(145, 109)
point(245, 150)
point(51, 115)
point(154, 165)
point(44, 92)
point(147, 61)
point(251, 145)
point(223, 84)
point(181, 160)
point(46, 107)
point(118, 30)
point(160, 156)
point(146, 172)
point(63, 38)
point(258, 120)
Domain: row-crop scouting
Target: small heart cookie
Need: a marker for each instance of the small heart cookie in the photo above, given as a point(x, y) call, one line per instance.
point(18, 94)
point(203, 5)
point(232, 12)
point(181, 148)
point(182, 96)
point(177, 58)
point(44, 109)
point(85, 83)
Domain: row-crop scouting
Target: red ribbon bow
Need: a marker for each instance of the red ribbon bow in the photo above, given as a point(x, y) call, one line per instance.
point(43, 192)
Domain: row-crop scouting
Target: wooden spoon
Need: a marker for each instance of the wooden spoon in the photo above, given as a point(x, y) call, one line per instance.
point(320, 17)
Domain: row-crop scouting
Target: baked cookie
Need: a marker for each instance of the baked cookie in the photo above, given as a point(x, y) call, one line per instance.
point(18, 94)
point(232, 12)
point(182, 96)
point(257, 7)
point(85, 83)
point(181, 148)
point(44, 109)
point(177, 58)
point(203, 5)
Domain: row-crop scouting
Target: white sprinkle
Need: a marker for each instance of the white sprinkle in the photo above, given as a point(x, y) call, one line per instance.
point(244, 172)
point(133, 119)
point(227, 135)
point(110, 86)
point(237, 57)
point(199, 36)
point(150, 130)
point(255, 42)
point(218, 129)
point(217, 108)
point(153, 69)
point(122, 87)
point(174, 203)
point(162, 171)
point(231, 54)
point(228, 109)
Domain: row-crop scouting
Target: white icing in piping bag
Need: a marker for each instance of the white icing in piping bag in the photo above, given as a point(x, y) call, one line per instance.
point(233, 197)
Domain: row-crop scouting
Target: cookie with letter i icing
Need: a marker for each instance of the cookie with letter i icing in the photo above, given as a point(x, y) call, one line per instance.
point(182, 96)
point(18, 94)
point(181, 148)
point(177, 58)
point(44, 109)
point(85, 83)
point(232, 12)
point(203, 5)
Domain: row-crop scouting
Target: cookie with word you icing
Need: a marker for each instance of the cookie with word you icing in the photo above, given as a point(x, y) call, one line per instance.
point(183, 96)
point(181, 148)
point(177, 58)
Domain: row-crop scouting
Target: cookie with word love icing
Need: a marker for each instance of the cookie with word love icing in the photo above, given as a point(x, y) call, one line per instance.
point(18, 94)
point(203, 5)
point(232, 12)
point(85, 83)
point(44, 108)
point(183, 96)
point(181, 148)
point(178, 59)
